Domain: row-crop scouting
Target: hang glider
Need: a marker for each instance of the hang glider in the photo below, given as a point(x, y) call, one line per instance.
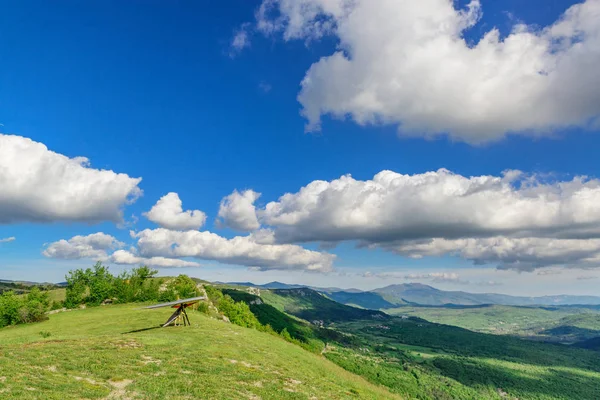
point(180, 306)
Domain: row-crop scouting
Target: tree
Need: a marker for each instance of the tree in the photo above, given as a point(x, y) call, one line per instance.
point(184, 287)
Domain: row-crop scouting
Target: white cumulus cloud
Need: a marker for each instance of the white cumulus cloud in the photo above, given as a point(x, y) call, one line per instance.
point(249, 251)
point(8, 239)
point(408, 63)
point(237, 211)
point(510, 253)
point(39, 185)
point(124, 257)
point(94, 246)
point(168, 213)
point(514, 221)
point(438, 204)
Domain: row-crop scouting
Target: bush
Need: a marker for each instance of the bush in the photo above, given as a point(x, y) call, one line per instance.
point(184, 287)
point(16, 309)
point(10, 304)
point(203, 308)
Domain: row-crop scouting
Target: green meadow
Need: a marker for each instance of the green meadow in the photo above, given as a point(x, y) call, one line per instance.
point(116, 352)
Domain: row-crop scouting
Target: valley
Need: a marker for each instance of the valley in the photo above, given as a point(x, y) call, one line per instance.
point(299, 343)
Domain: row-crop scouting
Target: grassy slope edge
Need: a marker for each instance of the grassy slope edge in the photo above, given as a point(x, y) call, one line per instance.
point(87, 354)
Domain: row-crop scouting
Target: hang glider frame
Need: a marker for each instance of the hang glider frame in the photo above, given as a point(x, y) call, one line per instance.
point(180, 312)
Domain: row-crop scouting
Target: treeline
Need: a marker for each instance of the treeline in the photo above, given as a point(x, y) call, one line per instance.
point(20, 309)
point(95, 286)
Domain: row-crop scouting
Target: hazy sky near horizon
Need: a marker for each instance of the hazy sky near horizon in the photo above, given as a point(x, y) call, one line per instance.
point(324, 142)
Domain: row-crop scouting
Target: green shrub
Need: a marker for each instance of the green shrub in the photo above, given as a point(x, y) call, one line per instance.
point(16, 309)
point(203, 308)
point(10, 304)
point(184, 287)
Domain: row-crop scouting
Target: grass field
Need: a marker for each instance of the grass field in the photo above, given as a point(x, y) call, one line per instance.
point(89, 354)
point(57, 294)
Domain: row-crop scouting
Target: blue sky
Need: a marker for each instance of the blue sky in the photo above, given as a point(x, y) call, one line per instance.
point(155, 90)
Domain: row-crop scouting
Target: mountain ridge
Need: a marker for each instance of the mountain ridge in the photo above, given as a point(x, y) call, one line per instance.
point(420, 294)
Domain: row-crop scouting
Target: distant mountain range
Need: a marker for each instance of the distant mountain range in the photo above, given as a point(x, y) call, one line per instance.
point(418, 294)
point(280, 285)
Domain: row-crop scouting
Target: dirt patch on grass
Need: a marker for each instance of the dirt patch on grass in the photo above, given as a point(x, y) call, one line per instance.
point(149, 360)
point(127, 344)
point(42, 343)
point(119, 391)
point(88, 380)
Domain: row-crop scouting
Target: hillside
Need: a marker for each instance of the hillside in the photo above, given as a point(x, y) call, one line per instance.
point(116, 352)
point(426, 295)
point(419, 359)
point(590, 344)
point(311, 305)
point(419, 294)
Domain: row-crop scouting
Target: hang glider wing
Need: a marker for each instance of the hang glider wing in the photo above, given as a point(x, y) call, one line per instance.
point(178, 303)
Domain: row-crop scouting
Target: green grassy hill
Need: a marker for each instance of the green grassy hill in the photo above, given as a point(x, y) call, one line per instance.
point(423, 360)
point(89, 354)
point(311, 305)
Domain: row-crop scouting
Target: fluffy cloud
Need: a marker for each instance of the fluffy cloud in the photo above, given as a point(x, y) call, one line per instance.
point(515, 221)
point(94, 246)
point(237, 211)
point(124, 257)
point(250, 250)
point(8, 239)
point(168, 213)
point(39, 185)
point(408, 63)
point(510, 253)
point(438, 204)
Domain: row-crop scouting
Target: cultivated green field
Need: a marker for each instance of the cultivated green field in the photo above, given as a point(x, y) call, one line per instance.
point(89, 354)
point(556, 324)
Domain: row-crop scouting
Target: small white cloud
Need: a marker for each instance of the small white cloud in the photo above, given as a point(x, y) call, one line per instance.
point(237, 211)
point(8, 239)
point(489, 283)
point(240, 41)
point(265, 87)
point(168, 213)
point(123, 257)
point(438, 277)
point(94, 246)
